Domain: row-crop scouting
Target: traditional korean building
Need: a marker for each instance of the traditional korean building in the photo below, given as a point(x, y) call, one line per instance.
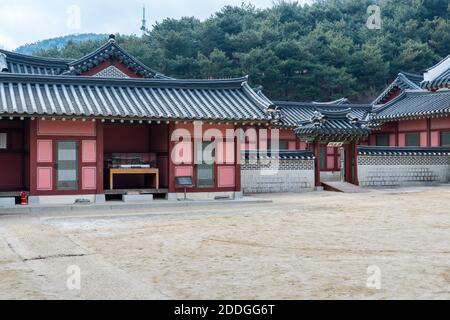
point(401, 138)
point(66, 124)
point(106, 126)
point(404, 81)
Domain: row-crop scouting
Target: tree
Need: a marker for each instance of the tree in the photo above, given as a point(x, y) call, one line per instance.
point(414, 56)
point(320, 51)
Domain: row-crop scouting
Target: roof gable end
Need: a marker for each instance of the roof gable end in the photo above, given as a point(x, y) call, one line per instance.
point(404, 81)
point(111, 54)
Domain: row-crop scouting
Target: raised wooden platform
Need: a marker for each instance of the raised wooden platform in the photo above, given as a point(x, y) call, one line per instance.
point(345, 187)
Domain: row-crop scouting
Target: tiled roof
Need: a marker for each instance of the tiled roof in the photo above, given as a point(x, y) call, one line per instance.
point(32, 65)
point(438, 76)
point(413, 77)
point(332, 123)
point(441, 81)
point(338, 102)
point(414, 104)
point(403, 82)
point(292, 113)
point(402, 151)
point(25, 64)
point(78, 96)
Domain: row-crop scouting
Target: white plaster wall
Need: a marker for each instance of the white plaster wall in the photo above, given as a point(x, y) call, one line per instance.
point(267, 176)
point(407, 171)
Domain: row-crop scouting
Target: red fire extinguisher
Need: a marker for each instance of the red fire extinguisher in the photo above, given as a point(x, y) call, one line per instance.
point(23, 199)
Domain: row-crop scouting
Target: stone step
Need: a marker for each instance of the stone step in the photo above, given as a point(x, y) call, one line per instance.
point(344, 187)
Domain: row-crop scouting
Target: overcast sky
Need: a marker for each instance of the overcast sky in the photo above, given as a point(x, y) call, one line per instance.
point(27, 21)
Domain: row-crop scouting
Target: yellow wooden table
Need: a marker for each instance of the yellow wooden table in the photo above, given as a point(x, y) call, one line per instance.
point(114, 171)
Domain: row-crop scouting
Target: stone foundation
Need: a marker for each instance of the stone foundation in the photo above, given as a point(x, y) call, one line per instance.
point(7, 202)
point(205, 196)
point(65, 200)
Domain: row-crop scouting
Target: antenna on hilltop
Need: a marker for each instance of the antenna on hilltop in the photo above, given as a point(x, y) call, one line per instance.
point(144, 21)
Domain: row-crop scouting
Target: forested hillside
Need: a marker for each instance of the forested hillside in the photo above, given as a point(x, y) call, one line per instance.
point(318, 52)
point(58, 42)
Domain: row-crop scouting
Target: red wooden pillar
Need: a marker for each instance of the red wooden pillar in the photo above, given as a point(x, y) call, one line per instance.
point(237, 163)
point(100, 156)
point(355, 163)
point(348, 162)
point(171, 166)
point(33, 157)
point(429, 132)
point(351, 163)
point(316, 151)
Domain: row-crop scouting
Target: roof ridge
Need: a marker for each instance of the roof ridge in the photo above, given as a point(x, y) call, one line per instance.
point(318, 105)
point(411, 74)
point(82, 80)
point(406, 79)
point(423, 91)
point(86, 56)
point(45, 60)
point(340, 101)
point(439, 63)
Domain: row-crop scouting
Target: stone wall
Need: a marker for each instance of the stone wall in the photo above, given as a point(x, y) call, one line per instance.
point(402, 170)
point(284, 175)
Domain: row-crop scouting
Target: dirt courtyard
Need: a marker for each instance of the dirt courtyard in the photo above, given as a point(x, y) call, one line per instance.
point(318, 245)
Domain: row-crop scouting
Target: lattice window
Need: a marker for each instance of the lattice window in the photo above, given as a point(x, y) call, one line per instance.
point(382, 140)
point(413, 139)
point(445, 139)
point(3, 141)
point(111, 72)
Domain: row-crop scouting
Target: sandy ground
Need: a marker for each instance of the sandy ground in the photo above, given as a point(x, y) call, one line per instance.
point(302, 246)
